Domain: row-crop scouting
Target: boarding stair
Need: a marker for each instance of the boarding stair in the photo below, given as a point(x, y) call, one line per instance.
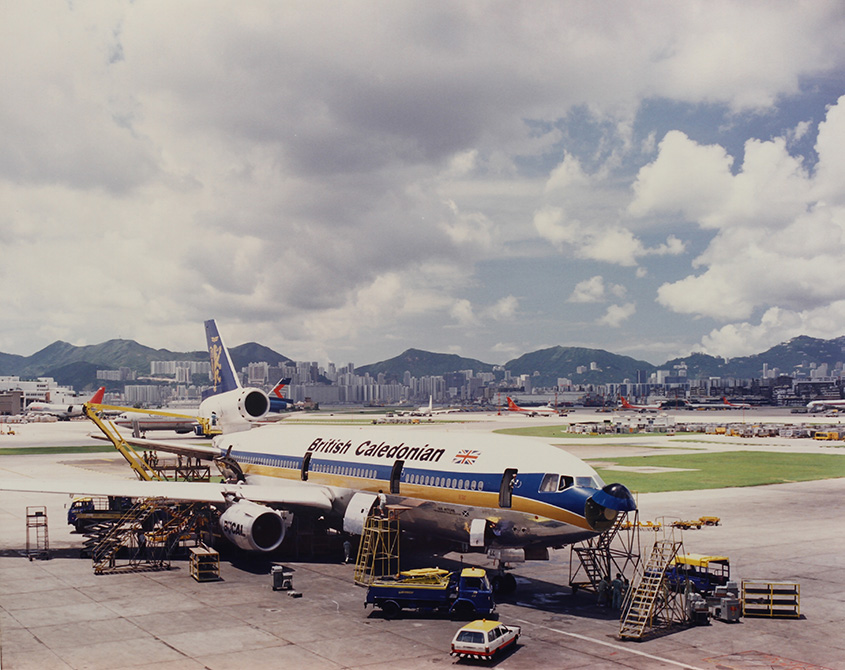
point(648, 593)
point(145, 537)
point(378, 550)
point(598, 557)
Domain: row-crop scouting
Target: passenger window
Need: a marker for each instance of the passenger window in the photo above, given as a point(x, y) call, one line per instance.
point(492, 635)
point(549, 484)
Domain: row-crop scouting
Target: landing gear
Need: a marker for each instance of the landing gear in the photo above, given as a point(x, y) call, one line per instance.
point(503, 582)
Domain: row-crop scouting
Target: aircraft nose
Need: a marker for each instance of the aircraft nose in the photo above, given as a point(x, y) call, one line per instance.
point(601, 508)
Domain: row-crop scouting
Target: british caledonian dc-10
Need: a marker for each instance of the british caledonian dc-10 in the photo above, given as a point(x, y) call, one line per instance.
point(511, 496)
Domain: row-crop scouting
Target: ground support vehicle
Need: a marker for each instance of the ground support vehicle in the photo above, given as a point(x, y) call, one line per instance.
point(89, 511)
point(433, 590)
point(481, 640)
point(698, 573)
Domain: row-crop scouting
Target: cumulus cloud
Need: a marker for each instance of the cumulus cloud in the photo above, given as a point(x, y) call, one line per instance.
point(780, 234)
point(504, 309)
point(595, 290)
point(331, 177)
point(616, 315)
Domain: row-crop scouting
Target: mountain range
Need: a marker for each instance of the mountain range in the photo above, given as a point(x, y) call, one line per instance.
point(77, 366)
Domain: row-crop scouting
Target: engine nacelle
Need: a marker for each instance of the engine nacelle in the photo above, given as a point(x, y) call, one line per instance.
point(253, 527)
point(240, 406)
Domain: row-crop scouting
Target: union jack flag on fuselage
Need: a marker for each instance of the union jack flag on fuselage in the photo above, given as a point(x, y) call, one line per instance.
point(466, 456)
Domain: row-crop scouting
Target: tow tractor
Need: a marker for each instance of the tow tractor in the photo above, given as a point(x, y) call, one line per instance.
point(433, 590)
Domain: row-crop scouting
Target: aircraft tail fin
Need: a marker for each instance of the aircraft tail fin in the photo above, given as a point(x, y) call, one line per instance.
point(223, 375)
point(512, 406)
point(625, 403)
point(97, 398)
point(279, 389)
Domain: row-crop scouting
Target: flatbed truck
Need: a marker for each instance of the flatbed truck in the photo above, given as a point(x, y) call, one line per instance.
point(462, 595)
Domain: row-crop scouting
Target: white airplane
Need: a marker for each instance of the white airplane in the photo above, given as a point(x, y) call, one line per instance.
point(141, 423)
point(533, 411)
point(818, 405)
point(639, 408)
point(741, 405)
point(509, 495)
point(63, 411)
point(428, 410)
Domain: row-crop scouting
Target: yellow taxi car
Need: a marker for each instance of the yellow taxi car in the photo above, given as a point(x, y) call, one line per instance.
point(483, 639)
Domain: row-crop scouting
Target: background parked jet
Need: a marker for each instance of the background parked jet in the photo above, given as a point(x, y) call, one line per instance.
point(534, 411)
point(62, 411)
point(639, 408)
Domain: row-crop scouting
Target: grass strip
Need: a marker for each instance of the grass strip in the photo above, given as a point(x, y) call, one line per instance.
point(31, 451)
point(721, 470)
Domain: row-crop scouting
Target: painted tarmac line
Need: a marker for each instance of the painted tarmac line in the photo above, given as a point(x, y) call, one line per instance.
point(612, 646)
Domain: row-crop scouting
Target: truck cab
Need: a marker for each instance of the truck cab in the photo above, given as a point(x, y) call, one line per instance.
point(474, 592)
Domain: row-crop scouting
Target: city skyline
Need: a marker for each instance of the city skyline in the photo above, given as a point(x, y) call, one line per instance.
point(345, 182)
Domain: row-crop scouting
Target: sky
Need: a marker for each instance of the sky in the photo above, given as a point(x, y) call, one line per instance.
point(342, 181)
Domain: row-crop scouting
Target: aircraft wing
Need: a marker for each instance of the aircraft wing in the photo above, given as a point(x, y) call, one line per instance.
point(202, 451)
point(285, 495)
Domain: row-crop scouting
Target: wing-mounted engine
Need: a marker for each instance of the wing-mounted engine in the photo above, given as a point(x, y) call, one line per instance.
point(236, 408)
point(253, 527)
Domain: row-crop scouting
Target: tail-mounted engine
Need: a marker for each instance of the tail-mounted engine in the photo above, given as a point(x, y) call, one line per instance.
point(240, 406)
point(253, 527)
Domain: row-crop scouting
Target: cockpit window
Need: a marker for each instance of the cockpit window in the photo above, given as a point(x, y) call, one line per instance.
point(554, 483)
point(549, 483)
point(587, 482)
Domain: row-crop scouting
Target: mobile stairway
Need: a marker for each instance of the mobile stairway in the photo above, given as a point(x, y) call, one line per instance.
point(650, 603)
point(146, 536)
point(605, 555)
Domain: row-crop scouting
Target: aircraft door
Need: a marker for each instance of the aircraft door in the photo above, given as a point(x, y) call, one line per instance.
point(306, 463)
point(396, 476)
point(506, 489)
point(357, 511)
point(477, 532)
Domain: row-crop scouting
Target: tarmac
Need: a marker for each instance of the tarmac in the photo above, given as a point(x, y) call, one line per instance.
point(56, 614)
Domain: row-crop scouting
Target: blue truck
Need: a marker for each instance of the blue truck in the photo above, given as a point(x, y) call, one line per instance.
point(698, 573)
point(462, 595)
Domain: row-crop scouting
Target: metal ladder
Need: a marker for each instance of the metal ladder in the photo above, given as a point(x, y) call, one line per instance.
point(639, 610)
point(37, 536)
point(378, 552)
point(595, 556)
